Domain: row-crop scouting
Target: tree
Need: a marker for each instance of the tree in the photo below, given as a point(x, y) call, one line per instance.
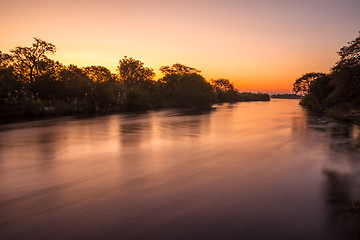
point(8, 80)
point(170, 80)
point(225, 91)
point(48, 84)
point(178, 69)
point(319, 91)
point(77, 82)
point(133, 73)
point(28, 59)
point(302, 84)
point(138, 99)
point(338, 90)
point(194, 91)
point(99, 74)
point(346, 75)
point(223, 85)
point(107, 95)
point(349, 56)
point(5, 60)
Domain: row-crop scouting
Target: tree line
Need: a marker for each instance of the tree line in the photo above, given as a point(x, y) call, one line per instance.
point(337, 92)
point(286, 96)
point(31, 83)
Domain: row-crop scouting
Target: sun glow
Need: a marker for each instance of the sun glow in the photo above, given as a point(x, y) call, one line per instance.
point(257, 45)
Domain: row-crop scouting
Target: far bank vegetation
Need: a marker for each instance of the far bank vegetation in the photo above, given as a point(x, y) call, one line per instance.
point(31, 83)
point(336, 93)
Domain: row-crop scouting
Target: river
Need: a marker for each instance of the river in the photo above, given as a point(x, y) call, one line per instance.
point(254, 170)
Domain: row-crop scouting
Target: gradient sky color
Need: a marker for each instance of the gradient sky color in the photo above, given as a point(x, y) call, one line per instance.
point(260, 45)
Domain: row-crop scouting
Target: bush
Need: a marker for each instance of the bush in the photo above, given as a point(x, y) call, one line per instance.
point(20, 103)
point(193, 91)
point(138, 99)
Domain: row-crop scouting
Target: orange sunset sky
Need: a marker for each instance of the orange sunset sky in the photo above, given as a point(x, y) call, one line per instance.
point(260, 45)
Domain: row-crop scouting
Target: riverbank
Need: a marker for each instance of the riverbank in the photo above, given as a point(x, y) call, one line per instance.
point(57, 89)
point(341, 115)
point(40, 108)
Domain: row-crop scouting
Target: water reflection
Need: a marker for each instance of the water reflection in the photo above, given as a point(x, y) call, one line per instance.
point(341, 173)
point(241, 171)
point(355, 135)
point(338, 189)
point(132, 132)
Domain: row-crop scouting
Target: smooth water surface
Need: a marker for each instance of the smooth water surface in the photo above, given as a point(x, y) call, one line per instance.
point(257, 170)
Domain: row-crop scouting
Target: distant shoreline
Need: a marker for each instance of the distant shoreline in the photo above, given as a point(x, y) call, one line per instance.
point(286, 96)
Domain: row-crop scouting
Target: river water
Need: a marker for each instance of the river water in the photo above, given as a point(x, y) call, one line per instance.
point(256, 170)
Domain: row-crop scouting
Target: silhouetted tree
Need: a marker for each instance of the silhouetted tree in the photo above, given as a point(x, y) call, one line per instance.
point(346, 76)
point(32, 83)
point(318, 91)
point(27, 59)
point(99, 74)
point(222, 84)
point(178, 69)
point(286, 96)
point(108, 96)
point(225, 90)
point(339, 90)
point(302, 84)
point(8, 80)
point(138, 99)
point(77, 82)
point(133, 73)
point(15, 98)
point(48, 84)
point(194, 91)
point(349, 56)
point(182, 86)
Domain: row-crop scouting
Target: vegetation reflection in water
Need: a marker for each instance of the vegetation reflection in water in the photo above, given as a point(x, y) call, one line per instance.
point(255, 170)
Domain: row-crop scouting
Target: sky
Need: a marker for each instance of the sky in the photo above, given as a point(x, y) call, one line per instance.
point(259, 45)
